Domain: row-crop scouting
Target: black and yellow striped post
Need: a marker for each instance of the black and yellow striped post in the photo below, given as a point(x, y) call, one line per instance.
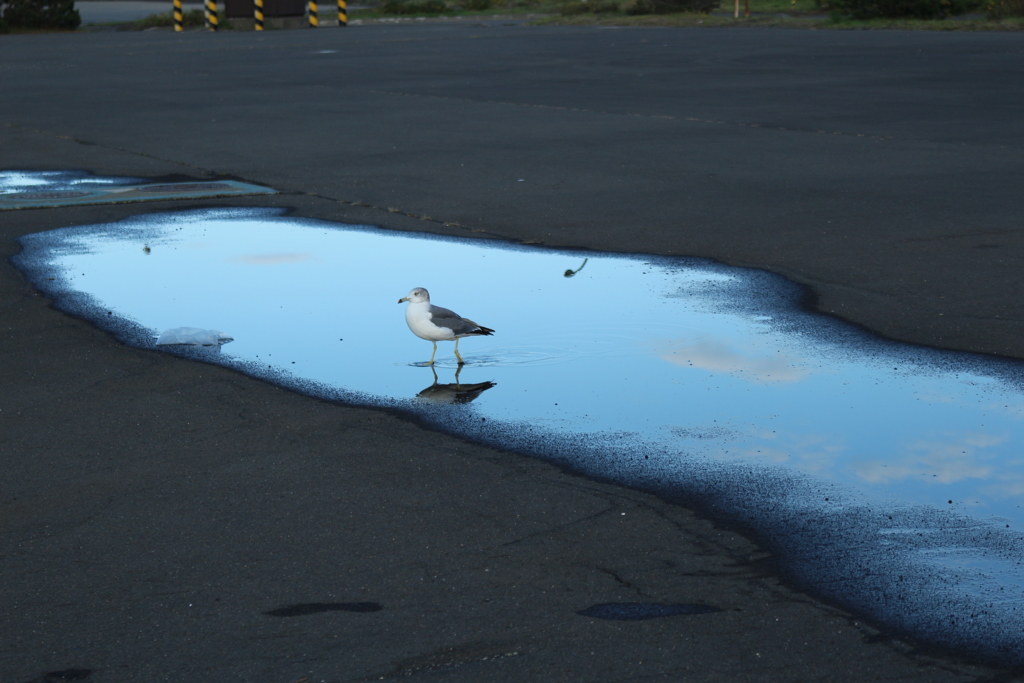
point(314, 22)
point(342, 13)
point(211, 14)
point(258, 9)
point(179, 20)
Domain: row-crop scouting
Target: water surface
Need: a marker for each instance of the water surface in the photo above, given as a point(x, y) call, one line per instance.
point(885, 476)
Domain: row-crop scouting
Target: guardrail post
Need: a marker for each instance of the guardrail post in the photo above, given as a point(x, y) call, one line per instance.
point(211, 14)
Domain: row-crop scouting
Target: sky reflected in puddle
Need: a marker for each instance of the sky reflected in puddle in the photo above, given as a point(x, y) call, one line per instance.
point(56, 181)
point(850, 456)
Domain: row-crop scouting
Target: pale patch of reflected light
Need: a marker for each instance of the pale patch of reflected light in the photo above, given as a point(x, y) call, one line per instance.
point(273, 259)
point(934, 397)
point(1015, 411)
point(20, 181)
point(984, 440)
point(1010, 486)
point(938, 462)
point(718, 355)
point(14, 182)
point(812, 452)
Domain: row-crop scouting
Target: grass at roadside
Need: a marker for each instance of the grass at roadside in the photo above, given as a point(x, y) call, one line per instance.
point(461, 9)
point(798, 14)
point(191, 18)
point(954, 24)
point(783, 20)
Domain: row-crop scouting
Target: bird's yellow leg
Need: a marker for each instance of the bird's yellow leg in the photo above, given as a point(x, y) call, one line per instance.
point(461, 362)
point(431, 362)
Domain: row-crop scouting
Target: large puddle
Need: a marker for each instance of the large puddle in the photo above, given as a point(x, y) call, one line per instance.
point(886, 477)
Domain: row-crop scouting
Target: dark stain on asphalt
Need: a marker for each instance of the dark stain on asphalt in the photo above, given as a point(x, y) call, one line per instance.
point(305, 608)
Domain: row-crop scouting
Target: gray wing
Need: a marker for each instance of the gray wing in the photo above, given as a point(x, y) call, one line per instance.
point(442, 317)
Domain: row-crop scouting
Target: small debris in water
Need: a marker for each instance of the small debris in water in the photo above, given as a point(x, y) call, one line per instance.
point(570, 272)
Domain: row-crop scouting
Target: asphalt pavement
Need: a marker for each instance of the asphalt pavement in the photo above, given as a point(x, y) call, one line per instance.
point(167, 520)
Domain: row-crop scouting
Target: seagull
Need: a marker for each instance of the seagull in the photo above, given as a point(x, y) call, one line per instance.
point(438, 324)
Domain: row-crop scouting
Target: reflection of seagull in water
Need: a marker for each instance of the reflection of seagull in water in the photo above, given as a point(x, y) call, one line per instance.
point(438, 324)
point(453, 393)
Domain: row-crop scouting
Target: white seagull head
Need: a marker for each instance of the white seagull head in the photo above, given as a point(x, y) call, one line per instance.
point(416, 296)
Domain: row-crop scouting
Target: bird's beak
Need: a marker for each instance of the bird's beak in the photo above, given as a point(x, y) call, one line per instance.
point(404, 298)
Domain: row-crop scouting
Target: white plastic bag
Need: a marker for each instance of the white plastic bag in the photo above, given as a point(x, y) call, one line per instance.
point(193, 336)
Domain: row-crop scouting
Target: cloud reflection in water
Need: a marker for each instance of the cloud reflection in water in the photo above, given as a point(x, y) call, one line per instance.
point(743, 362)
